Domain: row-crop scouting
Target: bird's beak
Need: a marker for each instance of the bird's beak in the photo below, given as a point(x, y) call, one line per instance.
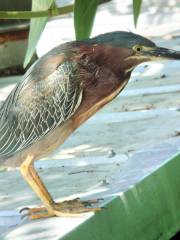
point(163, 53)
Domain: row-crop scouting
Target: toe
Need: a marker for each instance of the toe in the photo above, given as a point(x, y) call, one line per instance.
point(35, 213)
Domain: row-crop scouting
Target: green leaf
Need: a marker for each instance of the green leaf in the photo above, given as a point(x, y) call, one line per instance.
point(37, 26)
point(84, 14)
point(136, 10)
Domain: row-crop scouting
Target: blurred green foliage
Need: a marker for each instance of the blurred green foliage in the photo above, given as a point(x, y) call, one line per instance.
point(84, 14)
point(37, 26)
point(136, 10)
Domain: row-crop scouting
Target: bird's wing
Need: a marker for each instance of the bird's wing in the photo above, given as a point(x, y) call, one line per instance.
point(36, 106)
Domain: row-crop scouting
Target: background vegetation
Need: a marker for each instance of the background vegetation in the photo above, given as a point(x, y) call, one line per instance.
point(42, 10)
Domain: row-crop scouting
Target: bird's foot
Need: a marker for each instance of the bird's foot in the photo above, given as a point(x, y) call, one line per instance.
point(71, 208)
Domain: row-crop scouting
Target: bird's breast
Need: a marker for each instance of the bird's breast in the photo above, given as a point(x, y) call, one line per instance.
point(91, 104)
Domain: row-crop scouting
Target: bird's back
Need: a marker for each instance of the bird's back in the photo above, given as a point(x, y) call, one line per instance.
point(43, 100)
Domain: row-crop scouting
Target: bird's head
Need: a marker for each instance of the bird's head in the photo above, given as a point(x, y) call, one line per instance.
point(134, 49)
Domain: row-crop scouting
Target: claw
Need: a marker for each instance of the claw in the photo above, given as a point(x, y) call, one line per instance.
point(24, 209)
point(24, 212)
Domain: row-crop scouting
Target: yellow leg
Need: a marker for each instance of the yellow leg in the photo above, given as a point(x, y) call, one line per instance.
point(64, 209)
point(30, 175)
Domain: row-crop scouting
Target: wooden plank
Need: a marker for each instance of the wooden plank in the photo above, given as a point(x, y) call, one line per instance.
point(151, 91)
point(149, 210)
point(132, 196)
point(133, 115)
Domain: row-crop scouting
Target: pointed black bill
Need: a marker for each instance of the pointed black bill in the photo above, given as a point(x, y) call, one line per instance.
point(165, 53)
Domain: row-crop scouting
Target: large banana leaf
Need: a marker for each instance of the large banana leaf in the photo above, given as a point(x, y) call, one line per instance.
point(136, 10)
point(36, 27)
point(84, 14)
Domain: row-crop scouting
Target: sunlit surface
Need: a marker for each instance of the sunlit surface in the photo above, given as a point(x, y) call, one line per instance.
point(122, 145)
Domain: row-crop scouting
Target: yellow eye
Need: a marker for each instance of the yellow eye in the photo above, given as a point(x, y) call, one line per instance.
point(137, 48)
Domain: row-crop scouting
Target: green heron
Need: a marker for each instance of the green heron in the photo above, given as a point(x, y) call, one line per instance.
point(58, 93)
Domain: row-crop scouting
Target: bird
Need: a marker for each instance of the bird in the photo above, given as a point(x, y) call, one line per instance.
point(58, 93)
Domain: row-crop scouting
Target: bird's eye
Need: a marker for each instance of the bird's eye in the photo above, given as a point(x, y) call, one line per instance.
point(137, 48)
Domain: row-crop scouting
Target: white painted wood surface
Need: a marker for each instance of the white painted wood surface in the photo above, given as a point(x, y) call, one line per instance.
point(141, 126)
point(143, 138)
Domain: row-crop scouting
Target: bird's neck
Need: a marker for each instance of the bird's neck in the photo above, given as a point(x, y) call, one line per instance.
point(102, 77)
point(114, 59)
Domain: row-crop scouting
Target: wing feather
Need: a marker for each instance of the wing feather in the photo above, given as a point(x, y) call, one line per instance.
point(35, 107)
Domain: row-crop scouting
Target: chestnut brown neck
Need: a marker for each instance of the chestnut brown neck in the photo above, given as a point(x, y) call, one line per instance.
point(103, 78)
point(113, 58)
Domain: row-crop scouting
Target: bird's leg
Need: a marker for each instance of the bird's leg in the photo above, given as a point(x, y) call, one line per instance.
point(30, 175)
point(64, 209)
